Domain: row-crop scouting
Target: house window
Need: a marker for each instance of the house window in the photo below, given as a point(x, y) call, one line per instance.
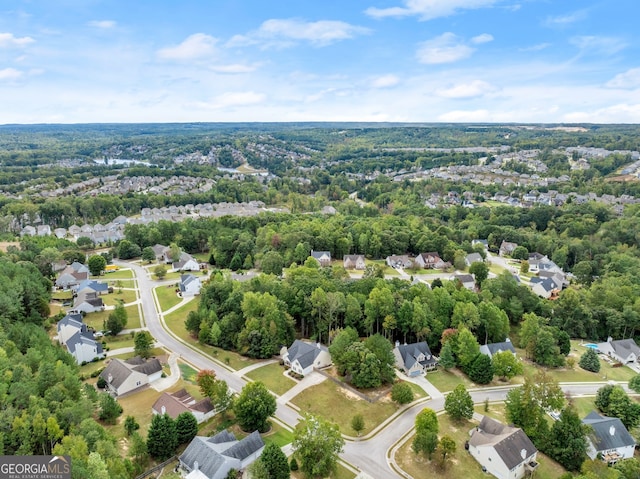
point(138, 383)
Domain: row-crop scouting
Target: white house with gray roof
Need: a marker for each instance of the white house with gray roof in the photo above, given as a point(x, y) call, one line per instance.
point(213, 457)
point(303, 357)
point(414, 359)
point(493, 348)
point(186, 263)
point(189, 285)
point(503, 451)
point(84, 348)
point(623, 350)
point(123, 377)
point(610, 439)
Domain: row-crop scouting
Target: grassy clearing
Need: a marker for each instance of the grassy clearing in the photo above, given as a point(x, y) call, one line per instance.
point(462, 464)
point(188, 373)
point(54, 308)
point(62, 295)
point(341, 473)
point(272, 376)
point(167, 297)
point(125, 296)
point(278, 435)
point(445, 380)
point(418, 392)
point(96, 320)
point(388, 270)
point(120, 274)
point(120, 341)
point(323, 398)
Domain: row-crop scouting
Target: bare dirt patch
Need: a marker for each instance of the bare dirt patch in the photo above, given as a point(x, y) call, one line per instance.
point(5, 244)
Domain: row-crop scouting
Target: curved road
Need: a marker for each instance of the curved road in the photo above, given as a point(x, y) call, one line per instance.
point(369, 455)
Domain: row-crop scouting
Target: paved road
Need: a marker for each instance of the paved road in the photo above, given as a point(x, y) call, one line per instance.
point(369, 455)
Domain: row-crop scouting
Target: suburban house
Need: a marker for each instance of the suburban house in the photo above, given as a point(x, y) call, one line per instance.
point(84, 348)
point(539, 262)
point(503, 451)
point(544, 287)
point(429, 261)
point(213, 457)
point(609, 439)
point(162, 253)
point(506, 248)
point(181, 401)
point(415, 358)
point(484, 243)
point(399, 261)
point(189, 285)
point(473, 258)
point(623, 350)
point(323, 257)
point(87, 302)
point(493, 348)
point(122, 377)
point(353, 261)
point(91, 285)
point(72, 275)
point(68, 326)
point(304, 357)
point(466, 280)
point(186, 263)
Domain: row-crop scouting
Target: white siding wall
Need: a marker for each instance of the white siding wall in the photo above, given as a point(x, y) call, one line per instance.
point(134, 381)
point(488, 457)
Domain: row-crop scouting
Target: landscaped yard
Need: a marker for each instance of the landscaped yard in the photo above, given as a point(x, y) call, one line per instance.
point(167, 297)
point(445, 380)
point(463, 464)
point(272, 376)
point(120, 274)
point(125, 295)
point(96, 320)
point(338, 405)
point(62, 295)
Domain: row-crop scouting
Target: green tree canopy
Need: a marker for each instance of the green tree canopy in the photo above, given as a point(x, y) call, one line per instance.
point(317, 443)
point(254, 406)
point(459, 404)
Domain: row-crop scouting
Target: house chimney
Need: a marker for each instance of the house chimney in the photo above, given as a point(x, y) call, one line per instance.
point(109, 378)
point(163, 410)
point(609, 339)
point(195, 465)
point(397, 344)
point(612, 430)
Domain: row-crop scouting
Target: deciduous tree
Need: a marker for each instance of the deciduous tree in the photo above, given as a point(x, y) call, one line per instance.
point(459, 404)
point(254, 406)
point(317, 443)
point(96, 264)
point(143, 344)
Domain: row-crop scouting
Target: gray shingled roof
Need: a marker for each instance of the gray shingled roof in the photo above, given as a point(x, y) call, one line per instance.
point(508, 442)
point(409, 353)
point(608, 432)
point(118, 371)
point(243, 449)
point(209, 461)
point(547, 283)
point(83, 337)
point(494, 348)
point(305, 353)
point(151, 366)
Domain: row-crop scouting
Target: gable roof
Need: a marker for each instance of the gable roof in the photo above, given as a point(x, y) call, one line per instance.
point(464, 278)
point(93, 285)
point(184, 259)
point(186, 280)
point(181, 401)
point(120, 370)
point(546, 283)
point(319, 255)
point(353, 257)
point(211, 453)
point(474, 258)
point(74, 320)
point(410, 352)
point(510, 443)
point(494, 348)
point(83, 337)
point(608, 432)
point(624, 347)
point(304, 352)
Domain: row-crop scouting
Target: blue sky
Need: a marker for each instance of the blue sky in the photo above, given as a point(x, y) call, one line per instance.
point(75, 61)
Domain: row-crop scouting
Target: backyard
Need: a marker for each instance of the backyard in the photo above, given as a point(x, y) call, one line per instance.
point(96, 320)
point(167, 297)
point(272, 376)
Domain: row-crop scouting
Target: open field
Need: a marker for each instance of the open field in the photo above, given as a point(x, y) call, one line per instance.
point(272, 376)
point(96, 320)
point(125, 296)
point(120, 274)
point(322, 399)
point(445, 380)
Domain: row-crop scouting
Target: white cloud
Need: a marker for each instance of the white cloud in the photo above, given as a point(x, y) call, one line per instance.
point(447, 48)
point(567, 19)
point(385, 81)
point(231, 99)
point(472, 89)
point(285, 32)
point(234, 68)
point(195, 46)
point(536, 48)
point(10, 74)
point(103, 24)
point(620, 113)
point(9, 40)
point(429, 9)
point(629, 79)
point(482, 38)
point(601, 45)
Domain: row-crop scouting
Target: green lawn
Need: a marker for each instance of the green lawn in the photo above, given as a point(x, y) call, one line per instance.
point(388, 270)
point(463, 464)
point(341, 473)
point(167, 297)
point(95, 320)
point(187, 372)
point(62, 295)
point(278, 435)
point(120, 341)
point(125, 295)
point(323, 398)
point(172, 275)
point(272, 376)
point(445, 380)
point(120, 274)
point(418, 392)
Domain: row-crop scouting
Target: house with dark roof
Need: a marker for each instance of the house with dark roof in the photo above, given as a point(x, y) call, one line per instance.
point(92, 285)
point(466, 280)
point(354, 261)
point(213, 457)
point(162, 253)
point(87, 302)
point(186, 263)
point(68, 326)
point(84, 348)
point(502, 451)
point(123, 377)
point(304, 357)
point(544, 287)
point(72, 275)
point(189, 285)
point(181, 401)
point(473, 258)
point(493, 348)
point(609, 438)
point(415, 358)
point(623, 350)
point(323, 257)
